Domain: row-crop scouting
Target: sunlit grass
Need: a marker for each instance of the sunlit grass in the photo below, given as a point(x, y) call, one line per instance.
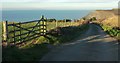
point(111, 31)
point(110, 27)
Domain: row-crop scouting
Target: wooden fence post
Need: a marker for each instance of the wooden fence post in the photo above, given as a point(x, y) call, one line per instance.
point(5, 32)
point(14, 33)
point(20, 38)
point(65, 23)
point(45, 27)
point(56, 24)
point(39, 28)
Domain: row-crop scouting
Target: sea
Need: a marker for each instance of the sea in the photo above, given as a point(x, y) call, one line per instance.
point(29, 15)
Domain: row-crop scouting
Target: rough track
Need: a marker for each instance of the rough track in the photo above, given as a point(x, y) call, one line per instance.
point(93, 45)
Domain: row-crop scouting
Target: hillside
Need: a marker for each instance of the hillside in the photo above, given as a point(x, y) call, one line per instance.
point(109, 17)
point(112, 21)
point(101, 14)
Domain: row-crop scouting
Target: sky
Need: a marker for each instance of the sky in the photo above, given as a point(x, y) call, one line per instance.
point(58, 4)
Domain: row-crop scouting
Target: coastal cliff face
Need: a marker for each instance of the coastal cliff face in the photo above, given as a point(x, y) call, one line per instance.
point(107, 17)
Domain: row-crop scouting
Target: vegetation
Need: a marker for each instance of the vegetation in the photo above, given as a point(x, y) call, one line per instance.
point(66, 34)
point(114, 32)
point(35, 49)
point(58, 32)
point(28, 53)
point(112, 21)
point(108, 19)
point(51, 20)
point(67, 20)
point(50, 25)
point(84, 18)
point(93, 19)
point(53, 25)
point(0, 31)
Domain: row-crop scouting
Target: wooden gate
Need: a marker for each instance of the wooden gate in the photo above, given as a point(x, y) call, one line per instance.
point(20, 32)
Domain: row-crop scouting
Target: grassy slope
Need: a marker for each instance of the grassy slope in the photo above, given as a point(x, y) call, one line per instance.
point(112, 21)
point(112, 32)
point(67, 34)
point(101, 14)
point(108, 20)
point(109, 17)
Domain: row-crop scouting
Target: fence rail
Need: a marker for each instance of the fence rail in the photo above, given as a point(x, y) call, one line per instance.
point(19, 33)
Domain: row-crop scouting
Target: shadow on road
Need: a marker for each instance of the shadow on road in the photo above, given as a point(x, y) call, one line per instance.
point(93, 45)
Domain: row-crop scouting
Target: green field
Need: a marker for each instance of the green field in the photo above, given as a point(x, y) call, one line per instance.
point(50, 25)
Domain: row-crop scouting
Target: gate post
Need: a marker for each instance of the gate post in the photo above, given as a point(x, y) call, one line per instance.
point(5, 33)
point(43, 26)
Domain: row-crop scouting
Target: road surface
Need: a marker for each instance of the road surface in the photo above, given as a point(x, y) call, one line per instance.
point(93, 45)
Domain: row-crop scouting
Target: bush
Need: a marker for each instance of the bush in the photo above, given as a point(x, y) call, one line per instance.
point(118, 36)
point(111, 31)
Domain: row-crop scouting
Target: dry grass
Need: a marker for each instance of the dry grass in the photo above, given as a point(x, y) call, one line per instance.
point(107, 17)
point(112, 21)
point(101, 14)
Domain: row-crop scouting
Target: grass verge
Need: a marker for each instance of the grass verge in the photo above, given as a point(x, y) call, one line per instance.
point(111, 31)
